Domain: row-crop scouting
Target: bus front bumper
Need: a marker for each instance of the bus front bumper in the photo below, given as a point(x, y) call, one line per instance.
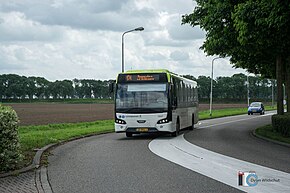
point(166, 127)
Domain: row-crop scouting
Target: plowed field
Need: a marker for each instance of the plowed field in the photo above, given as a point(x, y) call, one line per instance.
point(48, 113)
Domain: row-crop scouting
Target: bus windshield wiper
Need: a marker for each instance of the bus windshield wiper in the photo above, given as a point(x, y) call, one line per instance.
point(128, 110)
point(141, 110)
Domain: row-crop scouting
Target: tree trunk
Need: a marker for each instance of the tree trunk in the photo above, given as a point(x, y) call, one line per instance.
point(287, 80)
point(279, 76)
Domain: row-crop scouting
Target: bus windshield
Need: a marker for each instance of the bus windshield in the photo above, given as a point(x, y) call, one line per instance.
point(141, 97)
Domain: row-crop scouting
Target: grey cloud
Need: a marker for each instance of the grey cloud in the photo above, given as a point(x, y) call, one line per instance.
point(155, 57)
point(179, 55)
point(7, 65)
point(111, 15)
point(184, 32)
point(151, 40)
point(15, 27)
point(9, 59)
point(34, 7)
point(183, 6)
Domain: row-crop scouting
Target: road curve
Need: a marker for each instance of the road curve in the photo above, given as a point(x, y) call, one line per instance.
point(232, 136)
point(110, 163)
point(113, 163)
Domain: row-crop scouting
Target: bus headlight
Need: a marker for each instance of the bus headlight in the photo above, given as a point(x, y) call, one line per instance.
point(119, 121)
point(162, 121)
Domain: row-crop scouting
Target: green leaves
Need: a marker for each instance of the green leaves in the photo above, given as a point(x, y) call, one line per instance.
point(9, 145)
point(252, 33)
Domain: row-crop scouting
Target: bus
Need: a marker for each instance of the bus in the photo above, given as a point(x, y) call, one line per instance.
point(151, 101)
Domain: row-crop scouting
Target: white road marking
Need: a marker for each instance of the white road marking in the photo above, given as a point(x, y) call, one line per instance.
point(217, 166)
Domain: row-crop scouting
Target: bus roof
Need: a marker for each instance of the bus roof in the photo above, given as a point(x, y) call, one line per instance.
point(147, 71)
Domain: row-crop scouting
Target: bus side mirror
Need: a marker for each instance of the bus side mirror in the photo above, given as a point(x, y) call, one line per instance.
point(111, 87)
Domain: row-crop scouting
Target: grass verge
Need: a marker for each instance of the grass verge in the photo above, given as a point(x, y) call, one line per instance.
point(268, 132)
point(33, 137)
point(228, 112)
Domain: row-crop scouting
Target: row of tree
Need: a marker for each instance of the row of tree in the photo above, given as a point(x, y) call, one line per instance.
point(13, 86)
point(236, 87)
point(253, 34)
point(20, 87)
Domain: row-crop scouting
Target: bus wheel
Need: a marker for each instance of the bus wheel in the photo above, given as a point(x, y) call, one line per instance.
point(192, 124)
point(129, 134)
point(176, 132)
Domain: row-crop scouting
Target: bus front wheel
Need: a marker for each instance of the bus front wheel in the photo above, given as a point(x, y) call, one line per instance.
point(176, 132)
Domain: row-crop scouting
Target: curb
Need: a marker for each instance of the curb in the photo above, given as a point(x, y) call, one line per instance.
point(35, 162)
point(37, 158)
point(270, 140)
point(42, 182)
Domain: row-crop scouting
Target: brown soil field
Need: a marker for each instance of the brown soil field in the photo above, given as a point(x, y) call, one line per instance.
point(49, 113)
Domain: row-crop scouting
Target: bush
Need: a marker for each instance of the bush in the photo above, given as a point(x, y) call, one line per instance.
point(9, 145)
point(281, 124)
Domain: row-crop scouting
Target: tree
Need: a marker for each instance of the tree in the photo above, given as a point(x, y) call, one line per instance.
point(40, 86)
point(203, 85)
point(266, 23)
point(254, 34)
point(61, 89)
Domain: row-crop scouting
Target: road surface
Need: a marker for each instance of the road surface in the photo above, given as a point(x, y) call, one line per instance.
point(114, 163)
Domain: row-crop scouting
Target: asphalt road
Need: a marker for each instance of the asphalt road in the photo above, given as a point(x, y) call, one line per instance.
point(113, 163)
point(232, 136)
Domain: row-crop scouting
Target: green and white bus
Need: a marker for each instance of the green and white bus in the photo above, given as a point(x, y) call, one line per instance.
point(149, 101)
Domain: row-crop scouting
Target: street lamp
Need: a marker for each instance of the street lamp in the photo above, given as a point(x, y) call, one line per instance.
point(248, 90)
point(136, 29)
point(210, 103)
point(272, 93)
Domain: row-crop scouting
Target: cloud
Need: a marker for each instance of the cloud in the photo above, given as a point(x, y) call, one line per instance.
point(113, 15)
point(155, 56)
point(9, 56)
point(179, 55)
point(14, 26)
point(183, 32)
point(66, 39)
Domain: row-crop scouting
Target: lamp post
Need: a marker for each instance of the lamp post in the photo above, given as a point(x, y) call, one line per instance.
point(248, 90)
point(136, 29)
point(210, 103)
point(272, 93)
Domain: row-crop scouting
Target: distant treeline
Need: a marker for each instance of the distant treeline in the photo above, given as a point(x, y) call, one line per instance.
point(234, 88)
point(13, 86)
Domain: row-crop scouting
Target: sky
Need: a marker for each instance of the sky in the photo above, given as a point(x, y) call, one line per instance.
point(67, 39)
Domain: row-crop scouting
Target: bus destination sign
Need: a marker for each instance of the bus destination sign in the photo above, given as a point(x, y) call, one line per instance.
point(142, 78)
point(138, 77)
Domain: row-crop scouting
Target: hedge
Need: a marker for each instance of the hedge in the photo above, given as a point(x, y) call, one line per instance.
point(9, 144)
point(281, 124)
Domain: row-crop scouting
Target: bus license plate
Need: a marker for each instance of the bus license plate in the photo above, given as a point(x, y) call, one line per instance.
point(142, 129)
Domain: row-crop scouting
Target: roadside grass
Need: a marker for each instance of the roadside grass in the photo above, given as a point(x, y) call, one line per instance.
point(221, 113)
point(34, 137)
point(268, 132)
point(228, 112)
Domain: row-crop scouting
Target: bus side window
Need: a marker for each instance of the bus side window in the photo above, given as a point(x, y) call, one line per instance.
point(174, 93)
